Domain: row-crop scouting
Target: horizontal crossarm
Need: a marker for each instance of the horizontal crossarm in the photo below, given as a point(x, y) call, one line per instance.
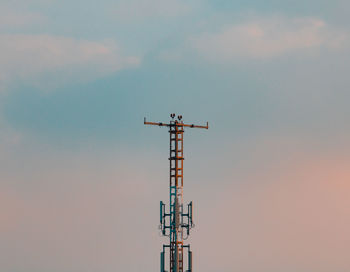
point(178, 124)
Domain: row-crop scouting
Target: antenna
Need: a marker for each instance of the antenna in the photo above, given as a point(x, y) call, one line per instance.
point(176, 223)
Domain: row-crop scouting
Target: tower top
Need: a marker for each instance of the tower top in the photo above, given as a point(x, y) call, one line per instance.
point(176, 123)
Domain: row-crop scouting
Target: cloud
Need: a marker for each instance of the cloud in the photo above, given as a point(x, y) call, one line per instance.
point(142, 9)
point(53, 60)
point(16, 18)
point(267, 38)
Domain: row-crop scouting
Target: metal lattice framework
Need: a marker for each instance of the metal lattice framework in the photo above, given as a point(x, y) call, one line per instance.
point(176, 223)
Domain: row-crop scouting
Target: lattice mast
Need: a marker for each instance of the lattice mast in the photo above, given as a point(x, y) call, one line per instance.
point(176, 223)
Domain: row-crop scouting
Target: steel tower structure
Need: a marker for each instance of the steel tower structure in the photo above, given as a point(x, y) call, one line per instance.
point(176, 223)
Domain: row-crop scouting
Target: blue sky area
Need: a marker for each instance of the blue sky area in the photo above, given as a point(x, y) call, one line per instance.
point(81, 176)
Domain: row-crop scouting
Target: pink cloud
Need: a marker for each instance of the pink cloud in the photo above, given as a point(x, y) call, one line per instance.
point(53, 60)
point(131, 10)
point(266, 38)
point(12, 18)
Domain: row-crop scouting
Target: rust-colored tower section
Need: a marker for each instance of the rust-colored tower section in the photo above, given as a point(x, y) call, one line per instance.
point(176, 195)
point(176, 223)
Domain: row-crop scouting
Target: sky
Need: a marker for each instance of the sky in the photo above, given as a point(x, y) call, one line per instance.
point(81, 177)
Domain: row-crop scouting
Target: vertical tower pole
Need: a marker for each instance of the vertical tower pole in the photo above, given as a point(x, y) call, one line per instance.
point(176, 195)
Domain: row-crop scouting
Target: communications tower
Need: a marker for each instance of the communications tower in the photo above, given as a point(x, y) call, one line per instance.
point(176, 222)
